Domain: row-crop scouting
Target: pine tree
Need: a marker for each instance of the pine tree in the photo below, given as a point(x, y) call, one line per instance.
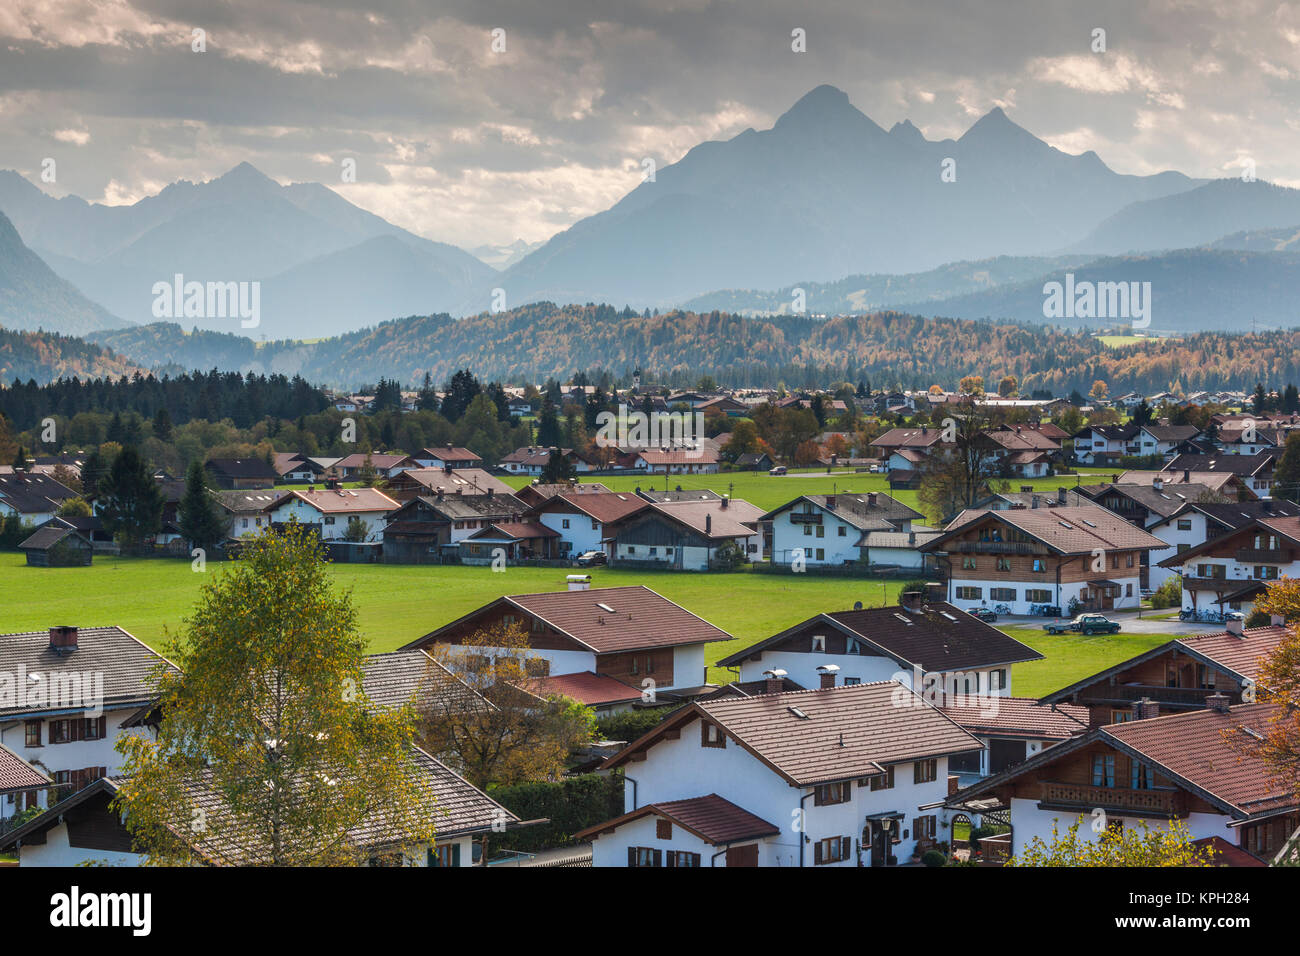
point(132, 503)
point(201, 524)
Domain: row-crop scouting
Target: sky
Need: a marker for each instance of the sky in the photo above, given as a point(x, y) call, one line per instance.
point(480, 122)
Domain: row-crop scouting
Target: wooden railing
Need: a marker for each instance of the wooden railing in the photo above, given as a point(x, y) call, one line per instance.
point(1000, 547)
point(1193, 696)
point(1265, 555)
point(1171, 802)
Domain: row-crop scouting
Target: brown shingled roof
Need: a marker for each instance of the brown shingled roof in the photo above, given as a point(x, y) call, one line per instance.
point(586, 688)
point(715, 820)
point(1069, 530)
point(17, 774)
point(816, 736)
point(1020, 717)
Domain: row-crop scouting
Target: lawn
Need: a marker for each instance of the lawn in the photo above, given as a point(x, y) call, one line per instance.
point(771, 491)
point(398, 603)
point(1071, 657)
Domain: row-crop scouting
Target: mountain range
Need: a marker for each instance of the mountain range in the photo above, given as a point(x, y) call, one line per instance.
point(826, 200)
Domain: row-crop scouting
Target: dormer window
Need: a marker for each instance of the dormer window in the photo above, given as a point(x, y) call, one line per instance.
point(819, 642)
point(711, 735)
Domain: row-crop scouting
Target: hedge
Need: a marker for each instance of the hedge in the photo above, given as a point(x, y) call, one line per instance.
point(571, 804)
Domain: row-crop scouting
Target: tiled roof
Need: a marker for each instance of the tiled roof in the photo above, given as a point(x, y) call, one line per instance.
point(469, 481)
point(1239, 654)
point(450, 453)
point(1197, 747)
point(45, 537)
point(908, 438)
point(1020, 717)
point(633, 618)
point(542, 490)
point(736, 520)
point(713, 819)
point(29, 493)
point(242, 468)
point(515, 531)
point(17, 774)
point(666, 456)
point(603, 507)
point(1241, 465)
point(346, 500)
point(835, 733)
point(856, 508)
point(126, 665)
point(248, 500)
point(1078, 530)
point(377, 461)
point(938, 638)
point(411, 677)
point(586, 688)
point(462, 507)
point(1224, 853)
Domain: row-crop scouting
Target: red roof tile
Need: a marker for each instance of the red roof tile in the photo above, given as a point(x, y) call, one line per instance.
point(586, 688)
point(17, 774)
point(1020, 717)
point(713, 819)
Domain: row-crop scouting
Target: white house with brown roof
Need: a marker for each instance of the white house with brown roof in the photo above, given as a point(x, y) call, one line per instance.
point(1187, 767)
point(331, 509)
point(583, 520)
point(631, 634)
point(828, 777)
point(831, 530)
point(937, 648)
point(688, 535)
point(68, 694)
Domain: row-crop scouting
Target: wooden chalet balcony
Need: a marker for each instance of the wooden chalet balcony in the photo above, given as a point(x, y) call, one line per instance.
point(1000, 547)
point(1189, 696)
point(1212, 584)
point(1265, 555)
point(1155, 802)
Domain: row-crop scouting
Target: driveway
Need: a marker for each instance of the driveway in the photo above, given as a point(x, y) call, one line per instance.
point(1129, 622)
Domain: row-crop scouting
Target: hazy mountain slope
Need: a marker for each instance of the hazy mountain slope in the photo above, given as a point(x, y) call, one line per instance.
point(46, 356)
point(240, 227)
point(1191, 290)
point(826, 193)
point(1194, 218)
point(33, 297)
point(1284, 239)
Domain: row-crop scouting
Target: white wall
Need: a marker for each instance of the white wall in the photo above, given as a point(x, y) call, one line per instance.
point(1062, 596)
point(688, 665)
point(1027, 822)
point(307, 514)
point(580, 534)
point(57, 852)
point(77, 755)
point(1167, 531)
point(837, 548)
point(801, 667)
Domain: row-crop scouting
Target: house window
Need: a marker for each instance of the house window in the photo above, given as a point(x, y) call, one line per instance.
point(33, 733)
point(680, 858)
point(842, 530)
point(595, 525)
point(1128, 560)
point(1004, 564)
point(1142, 776)
point(564, 523)
point(967, 593)
point(924, 827)
point(829, 794)
point(1128, 590)
point(925, 771)
point(711, 735)
point(644, 856)
point(1002, 594)
point(1038, 596)
point(329, 519)
point(998, 679)
point(852, 681)
point(663, 829)
point(60, 731)
point(807, 530)
point(883, 781)
point(968, 564)
point(819, 642)
point(821, 556)
point(1039, 565)
point(1265, 572)
point(1103, 770)
point(1184, 524)
point(653, 552)
point(1120, 716)
point(448, 854)
point(832, 850)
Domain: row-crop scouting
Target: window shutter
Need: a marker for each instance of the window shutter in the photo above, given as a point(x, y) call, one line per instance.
point(659, 857)
point(103, 726)
point(846, 847)
point(429, 858)
point(672, 860)
point(631, 856)
point(455, 854)
point(817, 853)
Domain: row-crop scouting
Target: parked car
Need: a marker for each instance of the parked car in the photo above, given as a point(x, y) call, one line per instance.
point(589, 558)
point(1085, 624)
point(984, 614)
point(778, 470)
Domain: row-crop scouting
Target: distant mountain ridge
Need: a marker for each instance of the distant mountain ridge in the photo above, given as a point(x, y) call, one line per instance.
point(307, 246)
point(33, 297)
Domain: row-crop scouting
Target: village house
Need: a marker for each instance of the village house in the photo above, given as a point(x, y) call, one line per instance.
point(533, 460)
point(293, 467)
point(689, 534)
point(511, 542)
point(22, 786)
point(1254, 471)
point(1021, 452)
point(57, 544)
point(1012, 729)
point(582, 520)
point(446, 456)
point(414, 482)
point(247, 512)
point(34, 498)
point(1195, 522)
point(423, 529)
point(826, 777)
point(1188, 767)
point(831, 530)
point(1178, 675)
point(935, 648)
point(67, 694)
point(241, 472)
point(1222, 485)
point(331, 510)
point(1043, 560)
point(629, 633)
point(353, 467)
point(535, 493)
point(1261, 550)
point(674, 461)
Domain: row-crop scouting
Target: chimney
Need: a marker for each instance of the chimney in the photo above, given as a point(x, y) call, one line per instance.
point(830, 502)
point(1114, 479)
point(1187, 475)
point(1145, 708)
point(1061, 496)
point(910, 599)
point(1217, 702)
point(1236, 627)
point(725, 501)
point(63, 639)
point(708, 524)
point(871, 499)
point(1033, 502)
point(911, 537)
point(827, 674)
point(1158, 483)
point(774, 682)
point(1025, 488)
point(1277, 620)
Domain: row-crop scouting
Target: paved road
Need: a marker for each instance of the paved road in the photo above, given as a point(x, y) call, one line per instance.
point(1129, 621)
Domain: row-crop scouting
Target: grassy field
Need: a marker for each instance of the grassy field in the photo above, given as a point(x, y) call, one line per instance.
point(1071, 657)
point(770, 491)
point(398, 603)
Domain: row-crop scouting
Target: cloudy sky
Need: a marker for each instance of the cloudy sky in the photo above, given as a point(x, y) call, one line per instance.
point(468, 144)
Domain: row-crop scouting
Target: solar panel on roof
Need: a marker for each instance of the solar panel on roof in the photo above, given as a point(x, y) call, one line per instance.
point(605, 607)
